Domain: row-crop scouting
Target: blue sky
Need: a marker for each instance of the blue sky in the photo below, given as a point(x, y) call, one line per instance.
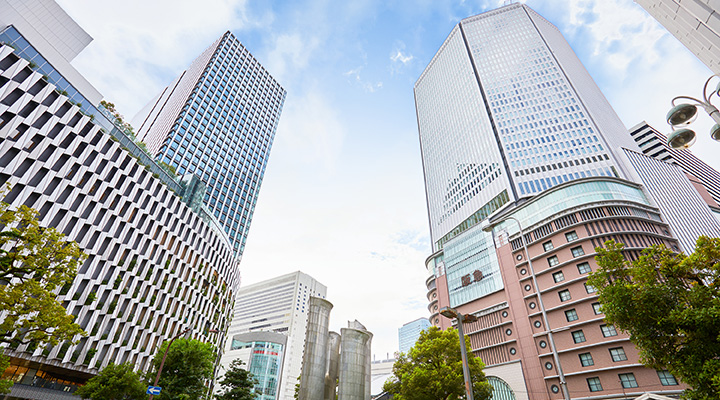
point(343, 197)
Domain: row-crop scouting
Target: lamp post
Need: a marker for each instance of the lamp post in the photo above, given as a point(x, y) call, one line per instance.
point(681, 115)
point(162, 363)
point(548, 331)
point(453, 313)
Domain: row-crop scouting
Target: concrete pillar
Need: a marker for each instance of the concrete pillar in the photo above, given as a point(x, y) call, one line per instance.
point(333, 366)
point(355, 357)
point(312, 377)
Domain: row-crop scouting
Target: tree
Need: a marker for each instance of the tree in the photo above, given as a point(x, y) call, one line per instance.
point(114, 382)
point(432, 369)
point(669, 304)
point(237, 383)
point(189, 364)
point(34, 263)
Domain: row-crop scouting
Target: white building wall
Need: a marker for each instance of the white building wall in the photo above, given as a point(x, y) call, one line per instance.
point(683, 208)
point(695, 23)
point(54, 34)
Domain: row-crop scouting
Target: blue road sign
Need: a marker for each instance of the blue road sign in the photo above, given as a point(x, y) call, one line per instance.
point(153, 390)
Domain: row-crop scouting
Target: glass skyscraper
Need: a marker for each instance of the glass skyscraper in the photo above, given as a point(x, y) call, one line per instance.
point(217, 120)
point(506, 110)
point(409, 333)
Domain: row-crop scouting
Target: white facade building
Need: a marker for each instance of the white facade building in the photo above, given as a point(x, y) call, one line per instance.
point(695, 23)
point(156, 265)
point(506, 110)
point(276, 305)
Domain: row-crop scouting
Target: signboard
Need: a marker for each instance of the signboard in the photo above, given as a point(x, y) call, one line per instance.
point(154, 390)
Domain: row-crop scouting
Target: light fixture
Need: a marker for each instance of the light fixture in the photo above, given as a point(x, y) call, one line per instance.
point(715, 132)
point(681, 138)
point(682, 114)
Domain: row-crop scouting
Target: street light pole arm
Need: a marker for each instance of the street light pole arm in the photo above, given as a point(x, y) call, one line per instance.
point(707, 82)
point(700, 102)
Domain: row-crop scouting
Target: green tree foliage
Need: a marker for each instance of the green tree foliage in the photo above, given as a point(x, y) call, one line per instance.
point(189, 364)
point(432, 369)
point(35, 262)
point(114, 382)
point(670, 305)
point(237, 383)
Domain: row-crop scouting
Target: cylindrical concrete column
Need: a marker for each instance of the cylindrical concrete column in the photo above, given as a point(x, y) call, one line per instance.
point(354, 364)
point(312, 377)
point(333, 365)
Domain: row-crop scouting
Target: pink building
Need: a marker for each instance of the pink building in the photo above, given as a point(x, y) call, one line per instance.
point(534, 329)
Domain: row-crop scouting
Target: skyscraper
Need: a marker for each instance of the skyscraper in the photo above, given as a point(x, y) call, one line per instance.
point(217, 120)
point(695, 23)
point(506, 110)
point(515, 134)
point(409, 333)
point(277, 305)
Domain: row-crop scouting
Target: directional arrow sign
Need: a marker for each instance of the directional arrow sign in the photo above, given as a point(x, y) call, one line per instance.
point(153, 390)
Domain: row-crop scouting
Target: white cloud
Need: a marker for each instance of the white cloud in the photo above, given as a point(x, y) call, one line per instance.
point(399, 56)
point(290, 53)
point(370, 87)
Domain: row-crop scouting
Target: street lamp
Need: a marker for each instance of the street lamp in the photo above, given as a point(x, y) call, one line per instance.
point(556, 357)
point(683, 114)
point(162, 363)
point(453, 313)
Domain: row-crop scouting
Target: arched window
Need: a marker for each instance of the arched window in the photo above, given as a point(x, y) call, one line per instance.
point(501, 390)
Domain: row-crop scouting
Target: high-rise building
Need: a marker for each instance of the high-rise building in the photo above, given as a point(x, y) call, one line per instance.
point(512, 126)
point(263, 354)
point(217, 120)
point(654, 144)
point(278, 305)
point(695, 23)
point(158, 262)
point(506, 110)
point(682, 201)
point(409, 333)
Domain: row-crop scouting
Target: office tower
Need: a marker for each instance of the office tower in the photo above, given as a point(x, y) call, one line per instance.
point(409, 333)
point(695, 23)
point(217, 120)
point(683, 204)
point(654, 144)
point(506, 110)
point(157, 263)
point(278, 305)
point(512, 125)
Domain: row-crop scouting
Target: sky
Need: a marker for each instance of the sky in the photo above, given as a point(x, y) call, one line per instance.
point(343, 197)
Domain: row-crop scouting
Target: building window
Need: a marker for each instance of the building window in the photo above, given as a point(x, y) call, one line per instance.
point(577, 251)
point(597, 308)
point(553, 261)
point(570, 236)
point(571, 315)
point(584, 268)
point(586, 359)
point(578, 336)
point(618, 354)
point(590, 288)
point(564, 295)
point(666, 378)
point(547, 246)
point(558, 277)
point(608, 330)
point(594, 384)
point(628, 380)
